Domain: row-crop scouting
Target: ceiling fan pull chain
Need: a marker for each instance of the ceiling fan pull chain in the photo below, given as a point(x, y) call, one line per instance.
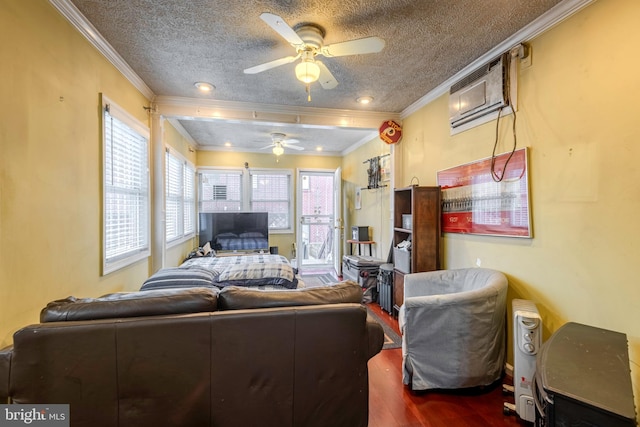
point(308, 92)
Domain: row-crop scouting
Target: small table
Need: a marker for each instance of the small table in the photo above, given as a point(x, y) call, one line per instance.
point(359, 243)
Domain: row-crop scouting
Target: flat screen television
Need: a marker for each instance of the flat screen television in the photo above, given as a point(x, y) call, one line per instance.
point(235, 231)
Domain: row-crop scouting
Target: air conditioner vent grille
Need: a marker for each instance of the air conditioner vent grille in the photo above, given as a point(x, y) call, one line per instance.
point(475, 75)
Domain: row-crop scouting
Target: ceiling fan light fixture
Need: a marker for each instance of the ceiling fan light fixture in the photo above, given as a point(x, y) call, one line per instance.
point(204, 87)
point(307, 71)
point(277, 149)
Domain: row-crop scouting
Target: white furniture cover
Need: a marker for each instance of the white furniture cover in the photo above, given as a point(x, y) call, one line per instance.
point(453, 328)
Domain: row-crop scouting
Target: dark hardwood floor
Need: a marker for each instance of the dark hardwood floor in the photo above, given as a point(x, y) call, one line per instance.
point(392, 404)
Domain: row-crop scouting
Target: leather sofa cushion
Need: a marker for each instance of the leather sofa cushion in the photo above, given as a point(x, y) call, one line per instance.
point(132, 304)
point(237, 298)
point(178, 277)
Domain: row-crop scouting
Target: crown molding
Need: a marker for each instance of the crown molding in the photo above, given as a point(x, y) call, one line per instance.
point(80, 22)
point(245, 112)
point(360, 143)
point(544, 22)
point(268, 152)
point(182, 131)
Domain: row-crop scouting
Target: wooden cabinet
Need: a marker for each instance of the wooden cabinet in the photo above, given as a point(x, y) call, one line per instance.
point(424, 206)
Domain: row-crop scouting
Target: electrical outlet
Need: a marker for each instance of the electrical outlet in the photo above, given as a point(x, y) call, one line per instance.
point(525, 56)
point(478, 262)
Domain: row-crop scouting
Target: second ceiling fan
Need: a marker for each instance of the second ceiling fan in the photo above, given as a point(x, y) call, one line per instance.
point(308, 41)
point(279, 143)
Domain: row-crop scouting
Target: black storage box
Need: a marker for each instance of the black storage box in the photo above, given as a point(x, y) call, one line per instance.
point(583, 379)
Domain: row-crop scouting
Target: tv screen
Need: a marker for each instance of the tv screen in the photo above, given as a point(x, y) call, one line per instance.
point(235, 231)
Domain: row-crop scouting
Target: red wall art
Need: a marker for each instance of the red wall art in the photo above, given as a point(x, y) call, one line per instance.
point(489, 196)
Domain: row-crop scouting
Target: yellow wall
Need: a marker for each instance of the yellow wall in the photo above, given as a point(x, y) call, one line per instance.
point(285, 241)
point(176, 253)
point(578, 113)
point(50, 151)
point(375, 211)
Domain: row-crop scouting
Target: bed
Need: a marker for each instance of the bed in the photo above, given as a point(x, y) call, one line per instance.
point(265, 271)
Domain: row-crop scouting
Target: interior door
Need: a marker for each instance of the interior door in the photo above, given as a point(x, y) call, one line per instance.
point(338, 226)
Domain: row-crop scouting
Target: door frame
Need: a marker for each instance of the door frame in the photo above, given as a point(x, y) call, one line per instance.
point(337, 216)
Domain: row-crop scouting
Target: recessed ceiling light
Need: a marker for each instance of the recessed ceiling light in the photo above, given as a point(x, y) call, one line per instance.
point(318, 148)
point(227, 144)
point(364, 100)
point(204, 87)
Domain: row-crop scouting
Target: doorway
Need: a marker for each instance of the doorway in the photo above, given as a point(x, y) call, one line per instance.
point(319, 233)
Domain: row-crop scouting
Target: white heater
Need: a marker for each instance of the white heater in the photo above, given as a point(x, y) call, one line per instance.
point(527, 339)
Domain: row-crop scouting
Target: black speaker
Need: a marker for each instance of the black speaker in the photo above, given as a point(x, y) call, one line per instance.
point(360, 233)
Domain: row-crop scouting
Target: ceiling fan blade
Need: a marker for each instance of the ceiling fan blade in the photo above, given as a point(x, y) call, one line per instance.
point(293, 147)
point(326, 79)
point(291, 141)
point(354, 47)
point(268, 146)
point(282, 28)
point(272, 64)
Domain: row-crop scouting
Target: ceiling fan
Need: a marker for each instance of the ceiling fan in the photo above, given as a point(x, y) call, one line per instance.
point(279, 143)
point(308, 41)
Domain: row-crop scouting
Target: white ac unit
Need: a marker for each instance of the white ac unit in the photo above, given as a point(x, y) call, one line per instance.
point(479, 93)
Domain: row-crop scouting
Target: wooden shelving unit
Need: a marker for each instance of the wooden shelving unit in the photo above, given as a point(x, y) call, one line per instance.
point(424, 206)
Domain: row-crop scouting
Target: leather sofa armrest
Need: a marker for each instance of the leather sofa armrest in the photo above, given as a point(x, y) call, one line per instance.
point(5, 368)
point(375, 335)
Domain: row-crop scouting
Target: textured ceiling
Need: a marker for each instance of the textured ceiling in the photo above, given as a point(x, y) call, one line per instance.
point(171, 44)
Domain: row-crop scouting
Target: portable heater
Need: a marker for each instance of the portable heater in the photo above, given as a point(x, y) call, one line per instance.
point(527, 340)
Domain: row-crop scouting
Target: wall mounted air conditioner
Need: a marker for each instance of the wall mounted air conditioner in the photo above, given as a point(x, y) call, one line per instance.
point(484, 91)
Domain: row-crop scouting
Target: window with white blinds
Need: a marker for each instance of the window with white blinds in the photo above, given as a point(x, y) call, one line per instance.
point(271, 192)
point(220, 190)
point(125, 187)
point(256, 190)
point(179, 197)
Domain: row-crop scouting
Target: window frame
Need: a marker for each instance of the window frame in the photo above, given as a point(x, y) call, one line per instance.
point(142, 251)
point(183, 199)
point(246, 190)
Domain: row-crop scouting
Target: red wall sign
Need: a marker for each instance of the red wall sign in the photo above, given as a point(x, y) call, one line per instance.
point(390, 132)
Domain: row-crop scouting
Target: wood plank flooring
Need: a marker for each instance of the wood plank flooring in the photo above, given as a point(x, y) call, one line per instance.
point(391, 404)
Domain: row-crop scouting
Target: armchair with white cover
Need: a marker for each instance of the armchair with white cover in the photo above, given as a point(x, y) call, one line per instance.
point(453, 328)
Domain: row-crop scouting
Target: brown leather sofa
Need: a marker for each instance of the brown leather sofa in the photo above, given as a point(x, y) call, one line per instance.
point(199, 357)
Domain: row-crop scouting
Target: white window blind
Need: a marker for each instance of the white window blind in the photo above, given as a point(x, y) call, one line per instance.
point(220, 190)
point(125, 187)
point(271, 192)
point(189, 206)
point(179, 197)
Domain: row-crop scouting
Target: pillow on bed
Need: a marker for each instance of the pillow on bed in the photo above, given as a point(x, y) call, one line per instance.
point(226, 236)
point(252, 234)
point(179, 277)
point(132, 304)
point(234, 298)
point(255, 274)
